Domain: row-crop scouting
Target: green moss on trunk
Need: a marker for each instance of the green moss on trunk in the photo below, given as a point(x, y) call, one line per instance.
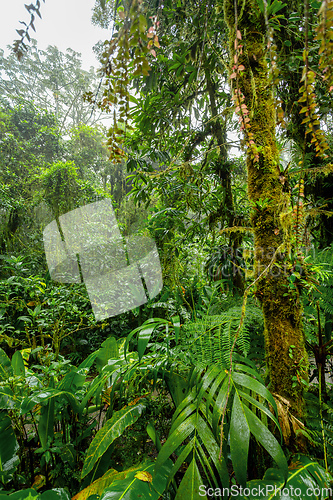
point(281, 304)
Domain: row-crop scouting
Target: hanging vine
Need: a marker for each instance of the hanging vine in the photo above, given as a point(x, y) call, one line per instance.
point(125, 56)
point(325, 36)
point(308, 98)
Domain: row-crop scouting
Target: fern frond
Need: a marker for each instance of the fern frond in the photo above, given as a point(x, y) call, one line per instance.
point(209, 340)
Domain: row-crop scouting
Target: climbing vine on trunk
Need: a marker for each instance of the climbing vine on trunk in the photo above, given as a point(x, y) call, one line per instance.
point(280, 301)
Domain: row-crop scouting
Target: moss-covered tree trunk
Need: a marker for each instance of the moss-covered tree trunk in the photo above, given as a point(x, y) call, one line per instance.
point(284, 337)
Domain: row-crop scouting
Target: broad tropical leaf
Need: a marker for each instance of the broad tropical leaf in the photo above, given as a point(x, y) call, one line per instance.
point(18, 364)
point(110, 431)
point(239, 440)
point(46, 421)
point(43, 396)
point(144, 333)
point(202, 450)
point(135, 484)
point(8, 448)
point(109, 350)
point(189, 487)
point(267, 440)
point(196, 425)
point(98, 486)
point(306, 479)
point(72, 381)
point(6, 369)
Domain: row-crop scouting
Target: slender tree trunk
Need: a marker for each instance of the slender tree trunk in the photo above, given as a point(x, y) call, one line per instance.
point(224, 173)
point(284, 337)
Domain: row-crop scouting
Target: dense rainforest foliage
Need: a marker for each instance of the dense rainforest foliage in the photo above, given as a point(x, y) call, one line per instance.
point(209, 130)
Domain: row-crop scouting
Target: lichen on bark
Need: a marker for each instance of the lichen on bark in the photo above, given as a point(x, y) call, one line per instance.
point(280, 302)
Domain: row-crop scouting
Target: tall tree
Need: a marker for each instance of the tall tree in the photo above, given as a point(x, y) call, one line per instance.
point(29, 142)
point(52, 80)
point(253, 93)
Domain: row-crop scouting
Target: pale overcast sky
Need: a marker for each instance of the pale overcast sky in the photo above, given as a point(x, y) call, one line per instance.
point(64, 23)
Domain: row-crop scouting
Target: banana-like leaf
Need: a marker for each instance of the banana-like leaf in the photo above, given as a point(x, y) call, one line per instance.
point(128, 482)
point(143, 339)
point(89, 361)
point(144, 333)
point(267, 440)
point(46, 421)
point(6, 369)
point(306, 479)
point(8, 400)
point(109, 350)
point(99, 382)
point(8, 448)
point(72, 381)
point(18, 364)
point(98, 486)
point(43, 396)
point(113, 428)
point(139, 483)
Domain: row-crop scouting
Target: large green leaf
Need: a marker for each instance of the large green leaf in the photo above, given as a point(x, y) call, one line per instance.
point(72, 381)
point(189, 487)
point(89, 361)
point(177, 386)
point(175, 439)
point(239, 440)
point(254, 385)
point(144, 333)
point(202, 451)
point(306, 479)
point(18, 364)
point(139, 483)
point(46, 421)
point(8, 448)
point(109, 350)
point(98, 486)
point(260, 407)
point(267, 440)
point(99, 382)
point(110, 431)
point(43, 396)
point(8, 400)
point(25, 495)
point(6, 369)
